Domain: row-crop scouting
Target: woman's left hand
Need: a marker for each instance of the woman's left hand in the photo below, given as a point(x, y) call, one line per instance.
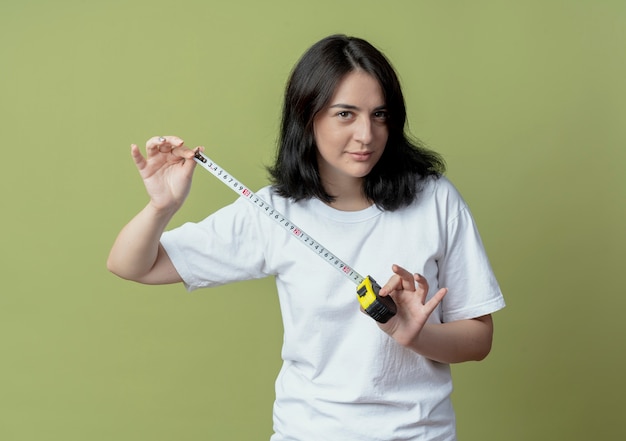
point(409, 292)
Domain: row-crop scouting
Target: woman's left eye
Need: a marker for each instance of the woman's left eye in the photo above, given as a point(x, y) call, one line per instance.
point(381, 115)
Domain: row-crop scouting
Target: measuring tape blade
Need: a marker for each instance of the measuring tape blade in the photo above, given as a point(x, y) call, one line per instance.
point(231, 182)
point(379, 308)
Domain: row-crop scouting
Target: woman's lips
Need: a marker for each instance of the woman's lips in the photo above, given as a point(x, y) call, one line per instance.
point(361, 156)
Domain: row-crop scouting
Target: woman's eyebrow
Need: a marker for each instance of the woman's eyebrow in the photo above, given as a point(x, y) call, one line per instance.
point(344, 106)
point(353, 107)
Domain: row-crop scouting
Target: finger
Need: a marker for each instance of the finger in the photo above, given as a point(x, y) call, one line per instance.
point(162, 144)
point(406, 277)
point(184, 152)
point(394, 282)
point(421, 282)
point(436, 299)
point(140, 161)
point(401, 280)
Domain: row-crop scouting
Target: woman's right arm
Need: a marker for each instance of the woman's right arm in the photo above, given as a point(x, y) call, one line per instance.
point(166, 171)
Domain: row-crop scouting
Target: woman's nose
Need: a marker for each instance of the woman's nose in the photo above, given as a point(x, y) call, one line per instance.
point(363, 131)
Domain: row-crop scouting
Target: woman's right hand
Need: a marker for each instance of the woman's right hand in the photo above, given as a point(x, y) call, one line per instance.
point(166, 170)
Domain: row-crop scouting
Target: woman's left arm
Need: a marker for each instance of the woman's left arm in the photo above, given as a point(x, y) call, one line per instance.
point(452, 342)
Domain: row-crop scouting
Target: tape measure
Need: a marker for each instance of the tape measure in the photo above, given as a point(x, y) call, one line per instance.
point(379, 308)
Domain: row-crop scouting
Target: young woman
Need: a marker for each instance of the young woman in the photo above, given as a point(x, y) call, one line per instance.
point(347, 174)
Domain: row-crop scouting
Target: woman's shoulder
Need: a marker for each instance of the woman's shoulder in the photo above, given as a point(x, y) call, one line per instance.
point(440, 193)
point(440, 186)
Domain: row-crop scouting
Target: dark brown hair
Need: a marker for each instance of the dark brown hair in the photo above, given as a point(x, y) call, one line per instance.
point(397, 178)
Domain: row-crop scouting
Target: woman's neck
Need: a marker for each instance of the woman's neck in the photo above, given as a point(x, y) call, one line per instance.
point(350, 205)
point(348, 197)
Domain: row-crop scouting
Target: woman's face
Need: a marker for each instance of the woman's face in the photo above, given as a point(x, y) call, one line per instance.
point(351, 131)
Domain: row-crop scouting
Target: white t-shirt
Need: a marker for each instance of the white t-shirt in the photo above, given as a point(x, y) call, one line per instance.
point(342, 377)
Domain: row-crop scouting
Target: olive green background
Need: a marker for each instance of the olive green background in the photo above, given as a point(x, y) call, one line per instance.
point(526, 101)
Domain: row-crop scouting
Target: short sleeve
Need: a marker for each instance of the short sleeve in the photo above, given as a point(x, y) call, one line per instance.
point(225, 247)
point(473, 290)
